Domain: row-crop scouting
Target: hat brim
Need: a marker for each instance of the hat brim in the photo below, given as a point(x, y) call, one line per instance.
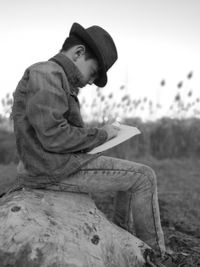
point(81, 33)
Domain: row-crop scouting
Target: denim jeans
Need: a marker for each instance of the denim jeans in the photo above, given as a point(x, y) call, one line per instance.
point(136, 205)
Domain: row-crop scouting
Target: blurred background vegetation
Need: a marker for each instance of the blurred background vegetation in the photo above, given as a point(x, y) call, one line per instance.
point(175, 135)
point(169, 143)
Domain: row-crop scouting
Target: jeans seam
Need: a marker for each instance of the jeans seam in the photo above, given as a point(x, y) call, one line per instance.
point(116, 170)
point(129, 211)
point(154, 222)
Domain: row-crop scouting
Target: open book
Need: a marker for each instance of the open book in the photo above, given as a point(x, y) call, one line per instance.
point(124, 134)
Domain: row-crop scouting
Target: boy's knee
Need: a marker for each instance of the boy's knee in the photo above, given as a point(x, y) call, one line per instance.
point(149, 175)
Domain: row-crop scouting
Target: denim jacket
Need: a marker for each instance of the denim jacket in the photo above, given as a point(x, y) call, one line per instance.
point(51, 138)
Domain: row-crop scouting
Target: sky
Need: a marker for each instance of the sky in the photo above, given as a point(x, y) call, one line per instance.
point(155, 39)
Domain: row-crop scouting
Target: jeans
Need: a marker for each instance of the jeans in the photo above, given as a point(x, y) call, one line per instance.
point(136, 205)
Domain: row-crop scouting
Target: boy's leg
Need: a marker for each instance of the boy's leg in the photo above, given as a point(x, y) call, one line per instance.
point(136, 207)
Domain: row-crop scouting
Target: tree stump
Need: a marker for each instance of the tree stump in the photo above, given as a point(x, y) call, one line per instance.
point(50, 228)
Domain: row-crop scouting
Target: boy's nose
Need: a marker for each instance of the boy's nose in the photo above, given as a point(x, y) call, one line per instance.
point(91, 81)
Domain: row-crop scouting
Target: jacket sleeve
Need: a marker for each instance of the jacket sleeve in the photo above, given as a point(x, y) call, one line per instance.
point(46, 105)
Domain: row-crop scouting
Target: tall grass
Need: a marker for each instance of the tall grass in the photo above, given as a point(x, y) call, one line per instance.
point(171, 137)
point(164, 138)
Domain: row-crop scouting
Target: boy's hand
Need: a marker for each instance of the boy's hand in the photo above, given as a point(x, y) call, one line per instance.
point(111, 130)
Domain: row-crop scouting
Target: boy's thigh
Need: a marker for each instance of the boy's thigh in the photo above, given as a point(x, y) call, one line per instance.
point(105, 174)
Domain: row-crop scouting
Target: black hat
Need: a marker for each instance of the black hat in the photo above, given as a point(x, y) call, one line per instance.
point(101, 44)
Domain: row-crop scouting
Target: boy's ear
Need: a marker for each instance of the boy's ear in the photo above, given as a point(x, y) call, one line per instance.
point(78, 51)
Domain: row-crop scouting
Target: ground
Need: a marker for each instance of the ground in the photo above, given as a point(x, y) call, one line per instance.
point(179, 200)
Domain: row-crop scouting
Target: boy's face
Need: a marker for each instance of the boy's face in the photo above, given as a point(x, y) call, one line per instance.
point(88, 68)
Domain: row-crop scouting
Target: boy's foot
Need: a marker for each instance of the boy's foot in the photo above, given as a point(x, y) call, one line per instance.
point(155, 261)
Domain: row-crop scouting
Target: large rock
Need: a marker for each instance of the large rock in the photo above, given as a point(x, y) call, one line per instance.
point(49, 228)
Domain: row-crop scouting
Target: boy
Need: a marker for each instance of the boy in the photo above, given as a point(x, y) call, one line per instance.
point(52, 140)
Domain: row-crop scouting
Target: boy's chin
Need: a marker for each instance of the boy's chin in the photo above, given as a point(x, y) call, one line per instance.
point(83, 85)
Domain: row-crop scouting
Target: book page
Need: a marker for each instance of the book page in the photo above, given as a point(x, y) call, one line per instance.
point(124, 134)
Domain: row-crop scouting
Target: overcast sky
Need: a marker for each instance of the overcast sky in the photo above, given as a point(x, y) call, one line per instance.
point(156, 39)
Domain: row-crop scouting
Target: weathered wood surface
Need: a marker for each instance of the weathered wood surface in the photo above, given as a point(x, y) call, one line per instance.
point(49, 228)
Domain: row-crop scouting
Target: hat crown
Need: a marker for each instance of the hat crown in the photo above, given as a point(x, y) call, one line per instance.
point(101, 44)
point(105, 43)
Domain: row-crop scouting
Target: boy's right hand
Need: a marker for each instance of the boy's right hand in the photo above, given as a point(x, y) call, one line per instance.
point(111, 130)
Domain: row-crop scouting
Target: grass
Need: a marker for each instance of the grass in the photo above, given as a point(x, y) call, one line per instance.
point(178, 190)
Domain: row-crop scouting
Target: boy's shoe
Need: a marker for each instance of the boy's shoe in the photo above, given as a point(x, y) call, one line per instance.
point(154, 261)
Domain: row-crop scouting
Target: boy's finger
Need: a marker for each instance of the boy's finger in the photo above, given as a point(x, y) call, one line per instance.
point(116, 125)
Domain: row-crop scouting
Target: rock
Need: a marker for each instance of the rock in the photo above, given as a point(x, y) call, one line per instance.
point(50, 228)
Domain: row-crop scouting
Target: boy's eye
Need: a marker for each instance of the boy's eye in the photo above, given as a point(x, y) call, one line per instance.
point(95, 74)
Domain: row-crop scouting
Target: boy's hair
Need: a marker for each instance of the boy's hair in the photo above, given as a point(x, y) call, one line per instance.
point(72, 41)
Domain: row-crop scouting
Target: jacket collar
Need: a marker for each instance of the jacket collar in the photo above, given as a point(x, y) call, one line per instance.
point(72, 72)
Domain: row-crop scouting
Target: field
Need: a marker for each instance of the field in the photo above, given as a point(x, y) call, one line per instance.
point(179, 190)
